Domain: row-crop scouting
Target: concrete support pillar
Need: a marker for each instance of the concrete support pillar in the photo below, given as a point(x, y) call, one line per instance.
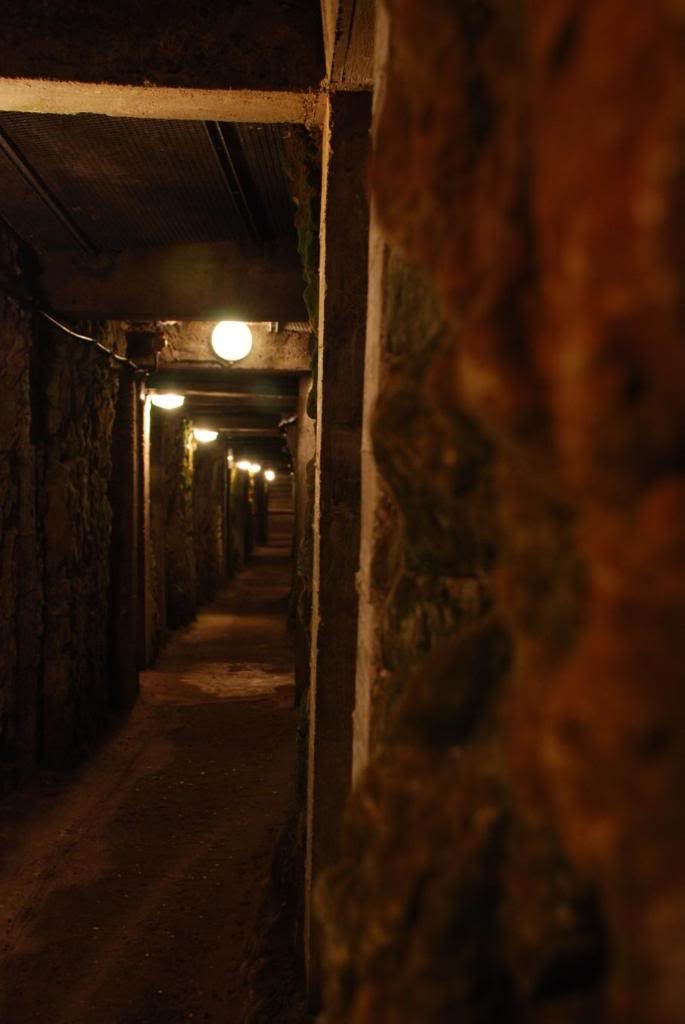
point(304, 453)
point(302, 443)
point(373, 529)
point(341, 336)
point(124, 575)
point(261, 510)
point(226, 520)
point(145, 635)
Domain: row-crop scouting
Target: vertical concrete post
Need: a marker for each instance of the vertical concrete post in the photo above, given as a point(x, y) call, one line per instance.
point(145, 635)
point(261, 510)
point(342, 328)
point(302, 443)
point(372, 527)
point(304, 453)
point(225, 518)
point(124, 575)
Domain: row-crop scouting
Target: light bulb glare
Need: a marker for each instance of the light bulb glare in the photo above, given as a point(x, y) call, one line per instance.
point(205, 436)
point(269, 475)
point(255, 468)
point(167, 400)
point(243, 464)
point(232, 340)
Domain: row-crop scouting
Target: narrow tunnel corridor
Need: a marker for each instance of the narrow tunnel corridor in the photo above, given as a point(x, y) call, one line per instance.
point(342, 512)
point(130, 888)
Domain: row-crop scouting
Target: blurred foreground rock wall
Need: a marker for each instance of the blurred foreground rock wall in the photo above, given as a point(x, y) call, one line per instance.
point(516, 849)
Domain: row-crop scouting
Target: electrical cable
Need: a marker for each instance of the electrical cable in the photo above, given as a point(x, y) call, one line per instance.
point(67, 330)
point(93, 341)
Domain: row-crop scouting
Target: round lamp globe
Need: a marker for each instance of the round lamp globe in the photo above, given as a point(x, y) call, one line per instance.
point(232, 340)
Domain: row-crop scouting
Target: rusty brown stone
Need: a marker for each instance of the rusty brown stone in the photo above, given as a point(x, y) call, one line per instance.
point(532, 167)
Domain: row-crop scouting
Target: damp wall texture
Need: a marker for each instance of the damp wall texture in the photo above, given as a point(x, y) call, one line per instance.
point(515, 850)
point(57, 402)
point(75, 391)
point(209, 518)
point(202, 522)
point(432, 569)
point(172, 524)
point(20, 577)
point(241, 518)
point(179, 536)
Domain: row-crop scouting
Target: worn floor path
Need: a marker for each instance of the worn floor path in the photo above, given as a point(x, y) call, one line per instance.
point(127, 893)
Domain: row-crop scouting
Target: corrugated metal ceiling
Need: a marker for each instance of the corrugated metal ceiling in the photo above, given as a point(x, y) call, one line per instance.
point(129, 183)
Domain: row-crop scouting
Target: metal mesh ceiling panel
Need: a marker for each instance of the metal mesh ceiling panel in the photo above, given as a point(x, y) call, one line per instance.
point(262, 147)
point(27, 214)
point(130, 183)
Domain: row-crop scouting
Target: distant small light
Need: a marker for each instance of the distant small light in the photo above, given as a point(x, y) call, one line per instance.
point(269, 475)
point(168, 400)
point(255, 468)
point(232, 340)
point(244, 464)
point(205, 436)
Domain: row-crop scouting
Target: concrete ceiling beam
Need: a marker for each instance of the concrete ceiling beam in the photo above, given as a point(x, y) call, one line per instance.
point(240, 399)
point(263, 426)
point(259, 46)
point(348, 29)
point(247, 433)
point(272, 350)
point(219, 280)
point(258, 106)
point(227, 380)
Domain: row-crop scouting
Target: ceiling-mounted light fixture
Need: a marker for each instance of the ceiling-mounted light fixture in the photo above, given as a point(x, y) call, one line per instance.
point(205, 436)
point(232, 340)
point(269, 475)
point(244, 464)
point(255, 468)
point(169, 400)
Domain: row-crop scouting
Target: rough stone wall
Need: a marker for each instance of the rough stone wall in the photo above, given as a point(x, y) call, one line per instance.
point(515, 851)
point(180, 573)
point(20, 584)
point(75, 391)
point(125, 605)
point(241, 518)
point(57, 409)
point(439, 532)
point(209, 518)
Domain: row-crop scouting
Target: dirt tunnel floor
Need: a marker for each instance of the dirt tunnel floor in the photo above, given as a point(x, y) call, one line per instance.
point(128, 891)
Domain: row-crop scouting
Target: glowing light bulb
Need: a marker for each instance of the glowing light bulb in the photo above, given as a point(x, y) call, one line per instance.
point(232, 340)
point(269, 475)
point(255, 468)
point(244, 464)
point(205, 436)
point(168, 400)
